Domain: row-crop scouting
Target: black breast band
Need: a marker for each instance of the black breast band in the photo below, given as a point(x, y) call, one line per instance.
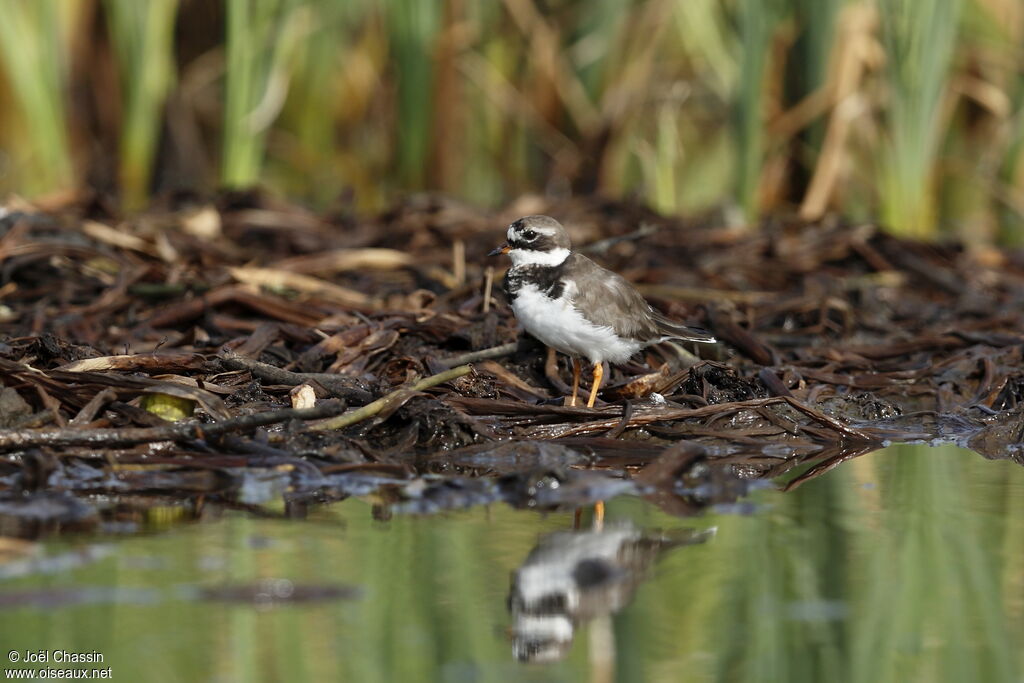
point(547, 279)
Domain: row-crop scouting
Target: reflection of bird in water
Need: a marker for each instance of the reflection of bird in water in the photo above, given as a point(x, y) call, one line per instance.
point(573, 577)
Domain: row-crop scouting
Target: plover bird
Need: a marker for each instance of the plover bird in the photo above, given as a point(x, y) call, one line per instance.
point(577, 307)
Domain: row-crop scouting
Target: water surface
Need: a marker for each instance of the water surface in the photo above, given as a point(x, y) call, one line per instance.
point(901, 565)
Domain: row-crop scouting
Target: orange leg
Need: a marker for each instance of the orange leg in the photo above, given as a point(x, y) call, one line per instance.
point(575, 380)
point(598, 376)
point(599, 505)
point(597, 521)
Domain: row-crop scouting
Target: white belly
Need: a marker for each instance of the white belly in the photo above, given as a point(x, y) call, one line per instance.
point(559, 325)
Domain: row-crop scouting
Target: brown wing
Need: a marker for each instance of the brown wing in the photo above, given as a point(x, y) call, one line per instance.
point(606, 298)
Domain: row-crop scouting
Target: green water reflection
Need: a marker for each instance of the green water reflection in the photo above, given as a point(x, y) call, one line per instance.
point(902, 565)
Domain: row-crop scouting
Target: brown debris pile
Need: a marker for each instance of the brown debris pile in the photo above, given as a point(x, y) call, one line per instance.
point(318, 357)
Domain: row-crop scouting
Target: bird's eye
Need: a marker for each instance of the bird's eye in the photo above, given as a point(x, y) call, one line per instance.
point(529, 235)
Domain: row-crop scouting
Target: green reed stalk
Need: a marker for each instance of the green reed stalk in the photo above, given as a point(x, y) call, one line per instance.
point(414, 26)
point(808, 62)
point(920, 38)
point(1011, 228)
point(758, 20)
point(262, 39)
point(709, 53)
point(664, 193)
point(35, 61)
point(242, 150)
point(142, 34)
point(595, 43)
point(313, 111)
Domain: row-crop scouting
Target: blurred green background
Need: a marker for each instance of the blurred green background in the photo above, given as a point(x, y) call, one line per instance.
point(908, 112)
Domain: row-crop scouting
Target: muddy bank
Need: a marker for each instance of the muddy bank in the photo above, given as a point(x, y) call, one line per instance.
point(197, 355)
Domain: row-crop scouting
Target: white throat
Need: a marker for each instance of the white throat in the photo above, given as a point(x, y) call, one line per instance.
point(527, 257)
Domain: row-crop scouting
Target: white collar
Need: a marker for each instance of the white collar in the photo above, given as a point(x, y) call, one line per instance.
point(528, 257)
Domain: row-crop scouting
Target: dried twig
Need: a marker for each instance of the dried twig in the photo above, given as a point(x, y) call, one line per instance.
point(182, 431)
point(648, 414)
point(367, 411)
point(482, 354)
point(339, 386)
point(88, 412)
point(488, 286)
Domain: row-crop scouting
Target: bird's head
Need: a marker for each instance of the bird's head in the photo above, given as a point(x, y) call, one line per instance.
point(536, 240)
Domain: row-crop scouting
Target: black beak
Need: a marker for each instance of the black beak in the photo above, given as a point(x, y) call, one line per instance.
point(503, 249)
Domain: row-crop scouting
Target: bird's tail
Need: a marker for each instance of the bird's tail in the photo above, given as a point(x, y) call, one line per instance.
point(674, 330)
